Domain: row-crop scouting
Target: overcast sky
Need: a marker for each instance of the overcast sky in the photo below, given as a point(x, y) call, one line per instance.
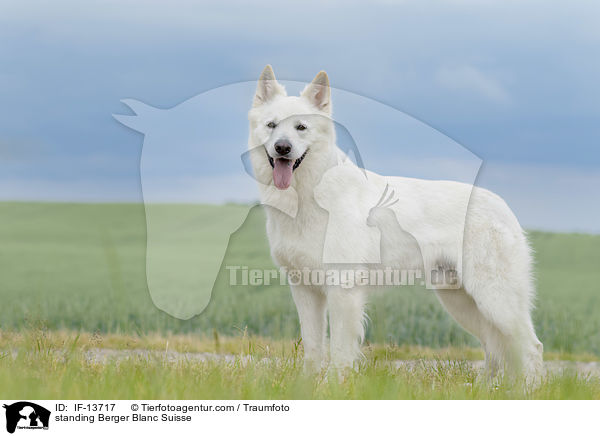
point(514, 82)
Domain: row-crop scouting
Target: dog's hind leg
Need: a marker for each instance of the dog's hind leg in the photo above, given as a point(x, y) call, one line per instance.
point(311, 304)
point(497, 277)
point(346, 325)
point(505, 310)
point(464, 310)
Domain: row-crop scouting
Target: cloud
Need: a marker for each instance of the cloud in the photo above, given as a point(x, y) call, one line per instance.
point(470, 79)
point(70, 65)
point(547, 197)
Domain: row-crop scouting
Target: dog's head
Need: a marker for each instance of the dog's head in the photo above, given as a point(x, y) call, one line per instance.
point(290, 128)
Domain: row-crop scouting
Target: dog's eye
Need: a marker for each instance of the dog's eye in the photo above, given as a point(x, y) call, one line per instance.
point(271, 125)
point(300, 127)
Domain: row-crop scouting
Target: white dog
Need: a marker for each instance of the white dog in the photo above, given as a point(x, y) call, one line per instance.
point(427, 229)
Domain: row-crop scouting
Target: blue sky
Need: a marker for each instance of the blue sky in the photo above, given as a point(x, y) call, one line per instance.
point(514, 82)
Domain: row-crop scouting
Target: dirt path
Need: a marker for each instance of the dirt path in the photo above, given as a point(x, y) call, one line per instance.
point(105, 355)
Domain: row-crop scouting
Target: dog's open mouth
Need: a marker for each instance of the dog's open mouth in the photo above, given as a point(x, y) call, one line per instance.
point(283, 169)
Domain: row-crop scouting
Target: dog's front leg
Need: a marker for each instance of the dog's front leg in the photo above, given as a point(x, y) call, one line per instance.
point(312, 311)
point(346, 325)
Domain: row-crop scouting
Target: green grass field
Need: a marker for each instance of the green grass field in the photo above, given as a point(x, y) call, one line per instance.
point(55, 365)
point(81, 267)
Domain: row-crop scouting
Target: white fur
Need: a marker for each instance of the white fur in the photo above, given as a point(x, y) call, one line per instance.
point(428, 227)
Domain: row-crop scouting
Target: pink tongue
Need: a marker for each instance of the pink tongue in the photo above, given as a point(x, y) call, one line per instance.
point(282, 173)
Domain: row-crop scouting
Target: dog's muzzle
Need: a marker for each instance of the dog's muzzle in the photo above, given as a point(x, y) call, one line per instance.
point(283, 169)
point(296, 163)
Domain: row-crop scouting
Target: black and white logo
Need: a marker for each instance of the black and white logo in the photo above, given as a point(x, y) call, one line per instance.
point(26, 415)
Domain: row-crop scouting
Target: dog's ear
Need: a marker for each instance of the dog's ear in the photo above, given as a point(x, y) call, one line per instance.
point(268, 87)
point(318, 92)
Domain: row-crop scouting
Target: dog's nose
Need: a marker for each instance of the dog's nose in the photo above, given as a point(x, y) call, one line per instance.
point(283, 147)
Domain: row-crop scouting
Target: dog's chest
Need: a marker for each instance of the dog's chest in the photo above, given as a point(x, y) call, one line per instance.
point(297, 243)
